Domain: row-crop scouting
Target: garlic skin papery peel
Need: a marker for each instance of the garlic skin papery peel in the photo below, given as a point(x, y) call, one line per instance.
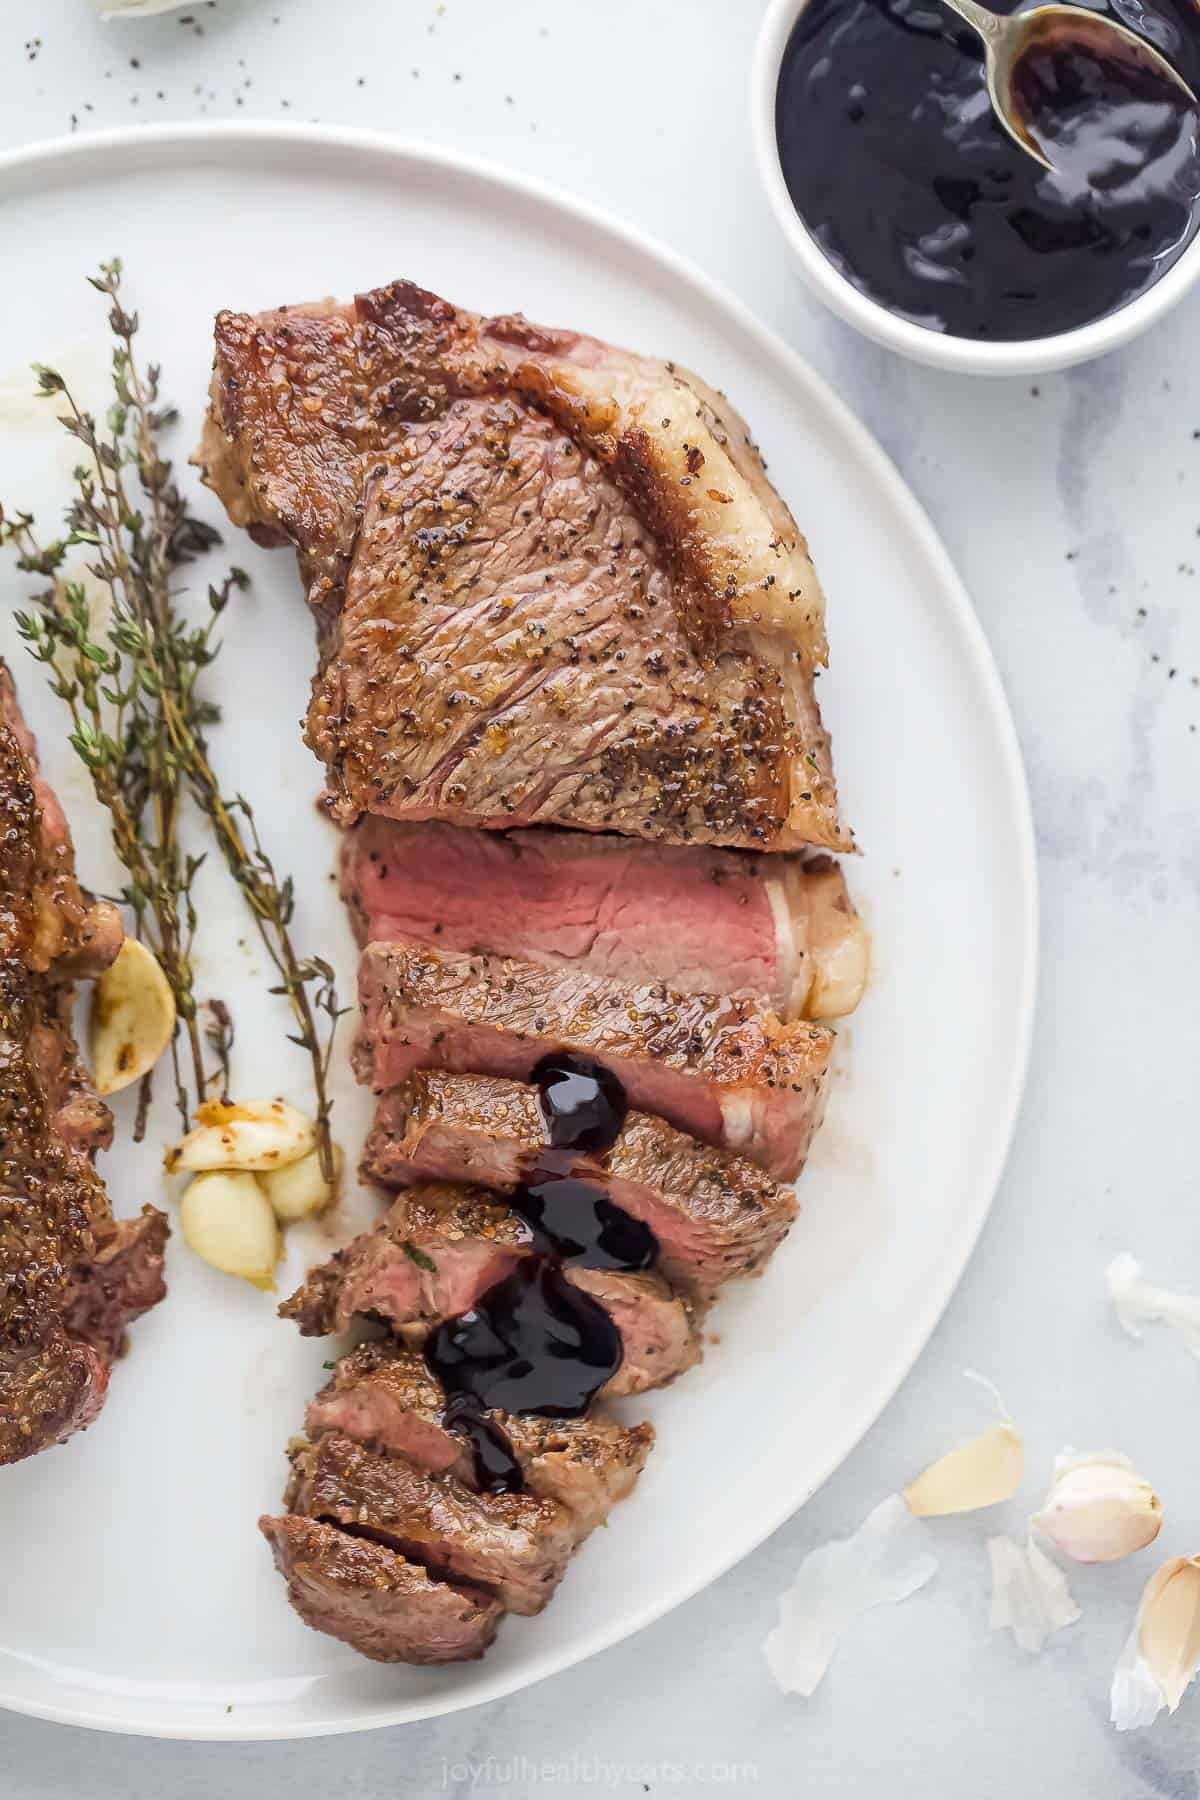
point(979, 1472)
point(1030, 1595)
point(1140, 1303)
point(1098, 1509)
point(885, 1560)
point(1163, 1649)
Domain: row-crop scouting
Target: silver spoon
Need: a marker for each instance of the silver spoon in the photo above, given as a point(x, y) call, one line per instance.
point(1009, 37)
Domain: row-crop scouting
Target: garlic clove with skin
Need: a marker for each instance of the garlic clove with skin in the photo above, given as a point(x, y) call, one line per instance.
point(1099, 1509)
point(1163, 1649)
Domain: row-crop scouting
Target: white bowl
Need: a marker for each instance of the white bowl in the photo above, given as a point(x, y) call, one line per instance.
point(1031, 356)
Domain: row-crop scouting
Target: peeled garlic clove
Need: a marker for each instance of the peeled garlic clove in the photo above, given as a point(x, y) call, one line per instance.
point(980, 1472)
point(1163, 1649)
point(1099, 1509)
point(133, 1018)
point(258, 1135)
point(227, 1220)
point(301, 1189)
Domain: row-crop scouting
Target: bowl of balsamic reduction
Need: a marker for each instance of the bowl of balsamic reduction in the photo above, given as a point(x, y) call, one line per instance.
point(916, 217)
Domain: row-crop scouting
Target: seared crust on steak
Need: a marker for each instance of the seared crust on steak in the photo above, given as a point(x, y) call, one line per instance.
point(514, 1545)
point(382, 1395)
point(440, 1248)
point(714, 1214)
point(71, 1277)
point(722, 1069)
point(374, 1599)
point(591, 606)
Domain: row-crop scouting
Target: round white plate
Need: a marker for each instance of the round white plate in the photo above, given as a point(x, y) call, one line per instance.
point(137, 1594)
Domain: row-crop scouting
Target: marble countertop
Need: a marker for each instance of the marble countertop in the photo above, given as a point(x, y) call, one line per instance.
point(1072, 507)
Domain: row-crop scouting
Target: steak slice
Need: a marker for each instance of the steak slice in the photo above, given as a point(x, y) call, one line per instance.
point(553, 582)
point(429, 1258)
point(714, 1214)
point(702, 920)
point(376, 1601)
point(722, 1069)
point(514, 1545)
point(70, 1276)
point(383, 1396)
point(440, 1248)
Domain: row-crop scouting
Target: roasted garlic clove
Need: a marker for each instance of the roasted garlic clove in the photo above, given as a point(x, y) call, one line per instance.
point(227, 1220)
point(132, 1018)
point(300, 1190)
point(839, 947)
point(256, 1135)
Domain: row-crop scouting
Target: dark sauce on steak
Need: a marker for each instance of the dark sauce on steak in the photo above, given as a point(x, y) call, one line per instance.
point(911, 187)
point(535, 1342)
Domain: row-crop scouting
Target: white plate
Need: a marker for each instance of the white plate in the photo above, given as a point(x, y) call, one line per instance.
point(137, 1594)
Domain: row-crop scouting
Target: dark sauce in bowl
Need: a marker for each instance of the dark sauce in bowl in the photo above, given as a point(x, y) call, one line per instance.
point(913, 190)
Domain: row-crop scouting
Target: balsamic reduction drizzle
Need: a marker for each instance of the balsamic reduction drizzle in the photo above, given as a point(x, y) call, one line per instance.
point(535, 1342)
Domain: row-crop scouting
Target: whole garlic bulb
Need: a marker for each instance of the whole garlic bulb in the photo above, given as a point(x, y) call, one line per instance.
point(1099, 1509)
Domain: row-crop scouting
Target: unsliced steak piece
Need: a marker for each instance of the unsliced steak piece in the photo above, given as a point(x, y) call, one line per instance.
point(699, 919)
point(71, 1277)
point(440, 1248)
point(722, 1069)
point(714, 1214)
point(383, 1396)
point(553, 582)
point(121, 1281)
point(514, 1545)
point(375, 1600)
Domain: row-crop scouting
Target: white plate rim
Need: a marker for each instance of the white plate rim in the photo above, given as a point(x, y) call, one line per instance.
point(225, 136)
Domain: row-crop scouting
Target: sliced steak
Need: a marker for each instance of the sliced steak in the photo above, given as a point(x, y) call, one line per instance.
point(70, 1276)
point(722, 1069)
point(440, 1248)
point(714, 1214)
point(514, 1545)
point(553, 582)
point(383, 1396)
point(701, 920)
point(376, 1601)
point(429, 1258)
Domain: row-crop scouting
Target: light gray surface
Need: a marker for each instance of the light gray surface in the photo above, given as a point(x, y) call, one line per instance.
point(1068, 509)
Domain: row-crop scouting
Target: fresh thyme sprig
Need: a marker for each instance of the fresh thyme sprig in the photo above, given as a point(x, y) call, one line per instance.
point(138, 718)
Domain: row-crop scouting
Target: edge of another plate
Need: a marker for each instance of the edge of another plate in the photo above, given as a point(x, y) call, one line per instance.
point(27, 167)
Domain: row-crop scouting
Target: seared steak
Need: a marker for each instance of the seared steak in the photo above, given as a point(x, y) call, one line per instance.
point(437, 1252)
point(514, 1545)
point(553, 582)
point(383, 1396)
point(714, 1214)
point(723, 1070)
point(702, 920)
point(71, 1277)
point(373, 1599)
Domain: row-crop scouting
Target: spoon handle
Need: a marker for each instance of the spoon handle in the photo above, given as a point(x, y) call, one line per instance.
point(988, 24)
